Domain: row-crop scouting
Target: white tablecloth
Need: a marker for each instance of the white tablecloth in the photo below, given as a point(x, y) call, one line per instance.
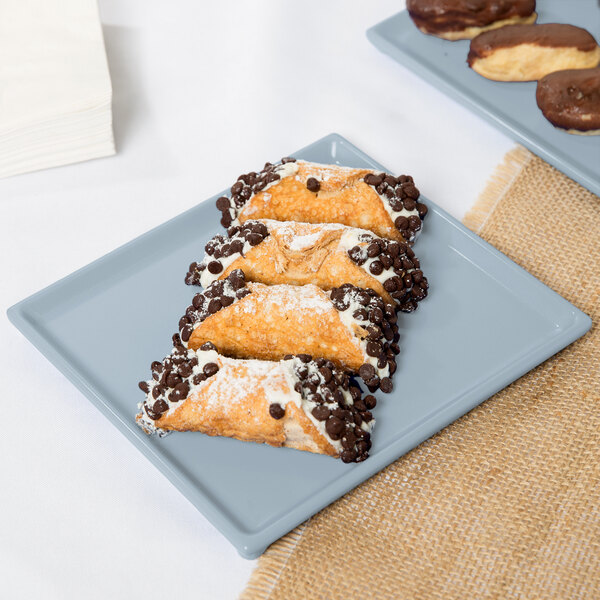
point(202, 92)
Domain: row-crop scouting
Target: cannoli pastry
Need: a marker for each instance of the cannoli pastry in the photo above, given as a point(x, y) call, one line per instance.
point(296, 190)
point(297, 402)
point(353, 328)
point(328, 255)
point(464, 19)
point(529, 52)
point(571, 100)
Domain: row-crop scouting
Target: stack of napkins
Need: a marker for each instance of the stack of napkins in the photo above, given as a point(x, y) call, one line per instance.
point(55, 91)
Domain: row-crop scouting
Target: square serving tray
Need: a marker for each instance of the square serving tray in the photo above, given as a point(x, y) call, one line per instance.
point(510, 106)
point(484, 324)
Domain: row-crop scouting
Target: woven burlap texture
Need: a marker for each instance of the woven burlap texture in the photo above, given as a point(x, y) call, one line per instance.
point(505, 502)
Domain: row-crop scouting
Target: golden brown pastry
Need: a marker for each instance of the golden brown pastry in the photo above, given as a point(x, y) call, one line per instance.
point(327, 255)
point(296, 190)
point(529, 52)
point(465, 19)
point(353, 328)
point(570, 100)
point(297, 402)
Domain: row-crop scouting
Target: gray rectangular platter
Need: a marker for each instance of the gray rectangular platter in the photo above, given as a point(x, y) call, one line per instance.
point(485, 323)
point(509, 106)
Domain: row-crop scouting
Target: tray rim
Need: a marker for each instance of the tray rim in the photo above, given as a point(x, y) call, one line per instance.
point(251, 544)
point(571, 169)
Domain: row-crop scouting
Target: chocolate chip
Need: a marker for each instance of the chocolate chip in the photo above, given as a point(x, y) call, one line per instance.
point(348, 439)
point(237, 187)
point(370, 401)
point(210, 369)
point(226, 219)
point(373, 349)
point(373, 179)
point(181, 390)
point(287, 159)
point(215, 267)
point(411, 191)
point(422, 209)
point(389, 285)
point(321, 413)
point(226, 300)
point(376, 315)
point(376, 267)
point(414, 222)
point(386, 385)
point(223, 203)
point(160, 406)
point(391, 180)
point(313, 184)
point(348, 455)
point(214, 306)
point(236, 247)
point(198, 379)
point(254, 239)
point(326, 374)
point(334, 426)
point(401, 223)
point(373, 250)
point(208, 346)
point(185, 370)
point(172, 380)
point(198, 301)
point(143, 385)
point(366, 371)
point(386, 261)
point(276, 410)
point(410, 204)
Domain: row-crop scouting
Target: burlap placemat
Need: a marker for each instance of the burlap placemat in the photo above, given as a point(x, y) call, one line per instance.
point(505, 502)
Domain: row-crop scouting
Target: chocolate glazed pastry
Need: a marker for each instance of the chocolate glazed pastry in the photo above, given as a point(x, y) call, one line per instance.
point(571, 100)
point(353, 328)
point(298, 402)
point(529, 52)
point(314, 193)
point(327, 255)
point(465, 19)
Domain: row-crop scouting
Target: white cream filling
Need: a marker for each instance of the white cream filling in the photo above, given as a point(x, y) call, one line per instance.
point(204, 357)
point(206, 278)
point(283, 170)
point(350, 239)
point(394, 214)
point(308, 405)
point(351, 323)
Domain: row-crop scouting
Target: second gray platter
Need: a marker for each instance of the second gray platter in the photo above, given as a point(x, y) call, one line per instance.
point(509, 106)
point(485, 323)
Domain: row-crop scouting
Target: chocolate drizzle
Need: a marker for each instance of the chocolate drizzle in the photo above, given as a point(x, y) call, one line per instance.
point(552, 35)
point(245, 187)
point(442, 16)
point(407, 286)
point(216, 296)
point(225, 246)
point(338, 404)
point(380, 340)
point(402, 196)
point(570, 99)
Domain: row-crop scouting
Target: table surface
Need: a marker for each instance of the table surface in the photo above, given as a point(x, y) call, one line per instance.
point(202, 93)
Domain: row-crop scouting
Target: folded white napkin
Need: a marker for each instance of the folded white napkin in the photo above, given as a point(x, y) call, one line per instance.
point(55, 91)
